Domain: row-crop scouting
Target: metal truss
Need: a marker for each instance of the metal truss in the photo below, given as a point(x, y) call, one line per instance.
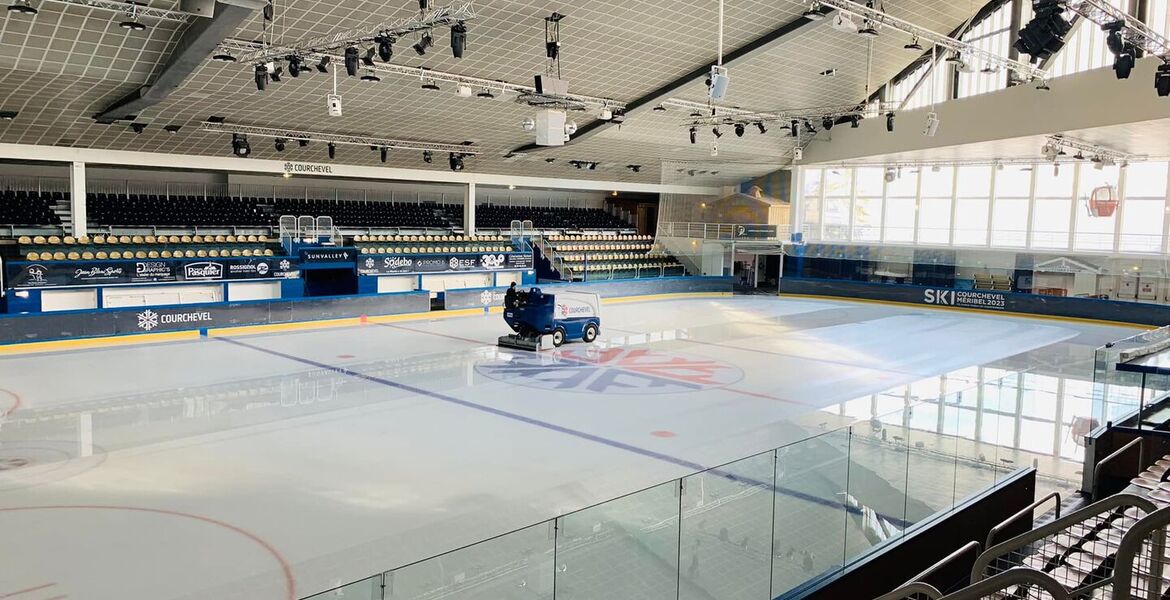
point(1025, 161)
point(1134, 31)
point(126, 7)
point(336, 138)
point(732, 116)
point(241, 49)
point(876, 17)
point(424, 21)
point(1060, 141)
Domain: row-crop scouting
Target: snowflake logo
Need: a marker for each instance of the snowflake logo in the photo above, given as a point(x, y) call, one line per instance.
point(485, 297)
point(147, 320)
point(369, 263)
point(284, 265)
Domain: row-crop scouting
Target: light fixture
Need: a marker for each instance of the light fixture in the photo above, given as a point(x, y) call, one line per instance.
point(1043, 36)
point(274, 72)
point(844, 22)
point(760, 126)
point(279, 143)
point(794, 128)
point(932, 123)
point(423, 43)
point(240, 146)
point(867, 29)
point(224, 56)
point(383, 153)
point(368, 59)
point(659, 108)
point(294, 65)
point(456, 161)
point(606, 114)
point(323, 66)
point(430, 85)
point(427, 156)
point(814, 13)
point(913, 45)
point(570, 127)
point(261, 77)
point(1162, 80)
point(485, 93)
point(592, 166)
point(172, 128)
point(1043, 86)
point(23, 7)
point(458, 39)
point(890, 122)
point(371, 77)
point(550, 160)
point(998, 166)
point(694, 131)
point(528, 124)
point(739, 129)
point(890, 174)
point(854, 121)
point(351, 61)
point(133, 24)
point(138, 127)
point(715, 130)
point(635, 168)
point(464, 91)
point(1124, 62)
point(827, 123)
point(302, 142)
point(385, 47)
point(332, 150)
point(808, 126)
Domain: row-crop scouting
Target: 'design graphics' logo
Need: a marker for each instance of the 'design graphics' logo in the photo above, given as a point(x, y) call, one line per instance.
point(593, 370)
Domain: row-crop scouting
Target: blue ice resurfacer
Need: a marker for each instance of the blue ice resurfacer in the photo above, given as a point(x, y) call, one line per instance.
point(566, 315)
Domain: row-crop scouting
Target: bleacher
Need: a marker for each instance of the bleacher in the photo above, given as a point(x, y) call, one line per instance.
point(29, 208)
point(501, 217)
point(987, 281)
point(372, 214)
point(114, 247)
point(135, 210)
point(432, 244)
point(599, 257)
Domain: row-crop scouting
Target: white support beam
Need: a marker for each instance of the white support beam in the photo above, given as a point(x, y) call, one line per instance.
point(469, 209)
point(231, 164)
point(77, 199)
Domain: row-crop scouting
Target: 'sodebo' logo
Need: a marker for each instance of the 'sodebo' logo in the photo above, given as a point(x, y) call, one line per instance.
point(148, 319)
point(203, 270)
point(393, 262)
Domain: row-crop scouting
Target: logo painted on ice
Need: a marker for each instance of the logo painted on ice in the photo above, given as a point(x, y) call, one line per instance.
point(593, 370)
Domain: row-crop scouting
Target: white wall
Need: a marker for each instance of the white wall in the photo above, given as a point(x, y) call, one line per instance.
point(54, 300)
point(158, 295)
point(253, 290)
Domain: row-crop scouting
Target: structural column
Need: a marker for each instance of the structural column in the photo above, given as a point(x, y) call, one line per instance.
point(77, 199)
point(469, 209)
point(796, 202)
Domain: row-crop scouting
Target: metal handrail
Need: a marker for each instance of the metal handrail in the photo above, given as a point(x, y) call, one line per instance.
point(1010, 578)
point(964, 549)
point(1026, 511)
point(913, 590)
point(1043, 531)
point(1101, 464)
point(1131, 546)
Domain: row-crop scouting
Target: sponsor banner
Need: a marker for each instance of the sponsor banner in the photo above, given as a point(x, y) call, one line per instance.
point(965, 298)
point(479, 297)
point(107, 272)
point(758, 232)
point(397, 264)
point(310, 256)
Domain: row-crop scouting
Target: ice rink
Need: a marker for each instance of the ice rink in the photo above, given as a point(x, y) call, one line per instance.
point(287, 464)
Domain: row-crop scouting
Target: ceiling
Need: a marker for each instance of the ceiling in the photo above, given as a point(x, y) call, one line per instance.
point(67, 63)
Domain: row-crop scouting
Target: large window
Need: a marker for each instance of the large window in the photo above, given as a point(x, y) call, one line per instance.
point(1052, 208)
point(934, 210)
point(972, 202)
point(867, 207)
point(1094, 232)
point(901, 201)
point(993, 35)
point(811, 195)
point(1144, 208)
point(838, 198)
point(1009, 219)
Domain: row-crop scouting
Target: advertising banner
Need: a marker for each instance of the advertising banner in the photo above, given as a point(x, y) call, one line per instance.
point(47, 274)
point(400, 264)
point(310, 256)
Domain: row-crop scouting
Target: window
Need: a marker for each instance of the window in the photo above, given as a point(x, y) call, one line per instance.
point(934, 209)
point(901, 197)
point(811, 195)
point(972, 202)
point(992, 34)
point(867, 207)
point(838, 198)
point(1094, 232)
point(1053, 203)
point(1143, 208)
point(1013, 186)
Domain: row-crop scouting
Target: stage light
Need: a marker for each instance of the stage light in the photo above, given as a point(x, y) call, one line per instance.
point(464, 91)
point(323, 66)
point(224, 57)
point(240, 146)
point(261, 77)
point(275, 73)
point(172, 128)
point(827, 123)
point(456, 161)
point(427, 156)
point(1124, 62)
point(1162, 80)
point(423, 43)
point(332, 149)
point(794, 128)
point(132, 25)
point(718, 134)
point(635, 168)
point(294, 65)
point(302, 142)
point(913, 45)
point(659, 108)
point(694, 131)
point(383, 153)
point(854, 121)
point(23, 7)
point(813, 13)
point(138, 127)
point(351, 61)
point(371, 77)
point(385, 48)
point(739, 129)
point(458, 39)
point(760, 126)
point(528, 124)
point(430, 85)
point(808, 126)
point(368, 59)
point(279, 144)
point(485, 93)
point(592, 166)
point(605, 114)
point(890, 122)
point(1044, 35)
point(1113, 39)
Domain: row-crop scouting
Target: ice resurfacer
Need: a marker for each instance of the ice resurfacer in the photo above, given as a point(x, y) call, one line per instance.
point(565, 315)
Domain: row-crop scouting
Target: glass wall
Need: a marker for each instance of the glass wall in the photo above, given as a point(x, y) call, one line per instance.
point(1081, 206)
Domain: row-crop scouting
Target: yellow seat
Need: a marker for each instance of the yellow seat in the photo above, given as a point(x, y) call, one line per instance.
point(152, 254)
point(231, 239)
point(247, 252)
point(150, 239)
point(173, 239)
point(101, 255)
point(123, 239)
point(186, 239)
point(268, 252)
point(115, 255)
point(99, 239)
point(166, 253)
point(236, 252)
point(69, 240)
point(24, 239)
point(74, 256)
point(140, 254)
point(87, 255)
point(200, 253)
point(137, 239)
point(213, 253)
point(40, 239)
point(31, 256)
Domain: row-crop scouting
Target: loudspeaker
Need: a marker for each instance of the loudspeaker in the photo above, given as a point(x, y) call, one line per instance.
point(334, 103)
point(550, 128)
point(718, 82)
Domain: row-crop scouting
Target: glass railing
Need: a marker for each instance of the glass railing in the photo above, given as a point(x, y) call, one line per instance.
point(751, 529)
point(1117, 394)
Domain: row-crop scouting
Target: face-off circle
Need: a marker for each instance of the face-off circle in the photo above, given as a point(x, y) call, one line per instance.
point(593, 370)
point(36, 462)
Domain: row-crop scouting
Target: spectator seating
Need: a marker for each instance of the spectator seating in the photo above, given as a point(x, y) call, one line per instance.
point(593, 257)
point(114, 247)
point(21, 207)
point(136, 210)
point(432, 244)
point(501, 217)
point(369, 213)
point(985, 281)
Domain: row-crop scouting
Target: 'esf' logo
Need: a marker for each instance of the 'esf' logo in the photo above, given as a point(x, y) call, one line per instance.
point(944, 297)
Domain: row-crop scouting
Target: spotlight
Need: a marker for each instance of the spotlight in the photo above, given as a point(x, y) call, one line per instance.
point(867, 30)
point(592, 166)
point(550, 160)
point(427, 156)
point(458, 39)
point(240, 145)
point(371, 77)
point(261, 77)
point(913, 45)
point(890, 174)
point(606, 114)
point(464, 90)
point(423, 43)
point(1113, 36)
point(660, 108)
point(423, 5)
point(718, 134)
point(383, 153)
point(368, 59)
point(1044, 35)
point(827, 123)
point(456, 161)
point(430, 85)
point(694, 131)
point(635, 168)
point(1162, 80)
point(528, 124)
point(323, 66)
point(8, 115)
point(351, 61)
point(760, 126)
point(332, 149)
point(794, 128)
point(138, 127)
point(224, 57)
point(279, 144)
point(172, 128)
point(294, 65)
point(23, 7)
point(813, 13)
point(854, 121)
point(739, 129)
point(275, 73)
point(1123, 64)
point(808, 126)
point(385, 47)
point(485, 93)
point(302, 142)
point(890, 122)
point(570, 127)
point(989, 69)
point(132, 25)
